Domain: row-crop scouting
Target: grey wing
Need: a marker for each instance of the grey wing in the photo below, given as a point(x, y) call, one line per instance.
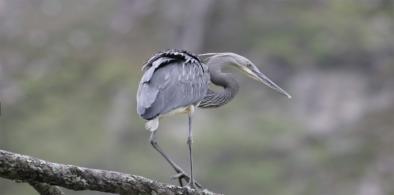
point(172, 86)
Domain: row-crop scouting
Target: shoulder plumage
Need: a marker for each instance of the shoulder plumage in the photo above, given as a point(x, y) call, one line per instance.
point(171, 55)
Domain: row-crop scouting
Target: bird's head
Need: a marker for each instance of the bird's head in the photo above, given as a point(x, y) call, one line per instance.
point(245, 65)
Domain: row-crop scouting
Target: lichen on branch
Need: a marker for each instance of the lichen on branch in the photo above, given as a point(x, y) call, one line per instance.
point(44, 176)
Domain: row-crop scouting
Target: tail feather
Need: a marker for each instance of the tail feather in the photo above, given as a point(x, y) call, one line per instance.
point(152, 125)
point(145, 98)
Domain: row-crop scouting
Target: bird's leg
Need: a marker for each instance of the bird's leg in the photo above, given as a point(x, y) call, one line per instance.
point(189, 143)
point(180, 173)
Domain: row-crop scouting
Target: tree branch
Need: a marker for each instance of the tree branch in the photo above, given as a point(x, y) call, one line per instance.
point(44, 175)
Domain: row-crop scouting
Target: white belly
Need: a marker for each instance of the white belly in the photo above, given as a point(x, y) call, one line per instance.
point(153, 124)
point(181, 110)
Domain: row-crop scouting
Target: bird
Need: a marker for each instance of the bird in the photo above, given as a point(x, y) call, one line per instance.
point(177, 82)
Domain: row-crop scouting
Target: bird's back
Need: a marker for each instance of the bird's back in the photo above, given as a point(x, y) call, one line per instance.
point(172, 79)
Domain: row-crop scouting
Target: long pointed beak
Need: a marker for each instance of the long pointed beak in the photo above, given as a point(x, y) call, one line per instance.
point(264, 79)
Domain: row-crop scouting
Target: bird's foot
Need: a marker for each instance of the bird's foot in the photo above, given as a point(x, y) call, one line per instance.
point(193, 185)
point(182, 176)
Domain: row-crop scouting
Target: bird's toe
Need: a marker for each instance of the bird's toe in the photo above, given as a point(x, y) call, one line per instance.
point(184, 177)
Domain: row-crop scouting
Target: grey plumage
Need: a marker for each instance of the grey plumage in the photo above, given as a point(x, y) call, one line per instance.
point(176, 79)
point(171, 80)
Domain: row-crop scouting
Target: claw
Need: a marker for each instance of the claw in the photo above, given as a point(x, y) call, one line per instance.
point(191, 185)
point(183, 176)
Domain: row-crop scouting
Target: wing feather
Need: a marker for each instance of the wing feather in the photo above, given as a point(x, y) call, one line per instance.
point(170, 83)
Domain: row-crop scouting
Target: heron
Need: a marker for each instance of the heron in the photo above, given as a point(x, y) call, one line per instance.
point(177, 81)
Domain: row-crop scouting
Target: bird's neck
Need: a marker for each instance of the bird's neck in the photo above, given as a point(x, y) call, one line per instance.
point(225, 80)
point(220, 97)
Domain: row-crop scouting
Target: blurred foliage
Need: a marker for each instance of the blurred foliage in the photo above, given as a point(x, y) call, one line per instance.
point(69, 71)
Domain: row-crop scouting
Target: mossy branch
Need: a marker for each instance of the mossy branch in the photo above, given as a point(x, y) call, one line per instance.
point(44, 176)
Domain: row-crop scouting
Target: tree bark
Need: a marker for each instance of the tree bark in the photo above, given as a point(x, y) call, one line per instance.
point(44, 176)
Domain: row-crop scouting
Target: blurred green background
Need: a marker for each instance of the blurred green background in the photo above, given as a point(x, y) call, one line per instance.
point(69, 72)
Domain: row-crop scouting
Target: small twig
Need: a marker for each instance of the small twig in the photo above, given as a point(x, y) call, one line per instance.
point(32, 170)
point(45, 189)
